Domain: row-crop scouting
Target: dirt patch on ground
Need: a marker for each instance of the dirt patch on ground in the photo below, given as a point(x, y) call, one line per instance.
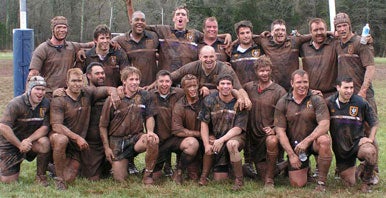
point(6, 69)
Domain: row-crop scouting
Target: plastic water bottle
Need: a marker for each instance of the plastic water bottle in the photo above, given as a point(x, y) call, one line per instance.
point(302, 156)
point(365, 33)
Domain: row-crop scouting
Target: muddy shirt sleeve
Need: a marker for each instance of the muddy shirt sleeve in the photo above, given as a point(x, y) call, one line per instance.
point(177, 118)
point(57, 110)
point(321, 109)
point(38, 57)
point(204, 114)
point(366, 54)
point(279, 116)
point(105, 114)
point(369, 115)
point(10, 114)
point(182, 71)
point(241, 119)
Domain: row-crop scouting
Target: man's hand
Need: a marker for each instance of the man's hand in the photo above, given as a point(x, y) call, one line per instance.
point(269, 131)
point(365, 140)
point(265, 34)
point(204, 91)
point(208, 149)
point(109, 155)
point(228, 40)
point(115, 45)
point(82, 143)
point(59, 92)
point(295, 161)
point(217, 145)
point(362, 93)
point(81, 55)
point(302, 146)
point(115, 99)
point(316, 92)
point(152, 138)
point(25, 146)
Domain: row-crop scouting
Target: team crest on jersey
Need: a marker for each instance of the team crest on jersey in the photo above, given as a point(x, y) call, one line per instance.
point(42, 112)
point(256, 52)
point(113, 60)
point(353, 111)
point(236, 56)
point(309, 104)
point(350, 49)
point(189, 36)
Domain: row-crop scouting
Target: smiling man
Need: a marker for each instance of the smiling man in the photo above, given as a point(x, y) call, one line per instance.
point(349, 114)
point(113, 61)
point(301, 124)
point(141, 47)
point(220, 119)
point(23, 132)
point(319, 58)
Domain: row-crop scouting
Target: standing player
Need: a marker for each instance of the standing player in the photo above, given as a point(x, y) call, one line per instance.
point(113, 60)
point(141, 47)
point(349, 113)
point(123, 128)
point(245, 53)
point(220, 119)
point(301, 124)
point(261, 139)
point(23, 133)
point(319, 58)
point(53, 58)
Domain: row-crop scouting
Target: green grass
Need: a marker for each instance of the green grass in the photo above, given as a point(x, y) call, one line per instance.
point(6, 55)
point(133, 188)
point(379, 60)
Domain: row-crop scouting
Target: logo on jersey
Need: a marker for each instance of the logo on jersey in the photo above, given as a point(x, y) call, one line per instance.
point(353, 111)
point(113, 60)
point(309, 104)
point(256, 52)
point(350, 49)
point(235, 56)
point(42, 112)
point(189, 37)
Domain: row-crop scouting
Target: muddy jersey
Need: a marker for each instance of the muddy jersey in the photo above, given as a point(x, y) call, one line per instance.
point(219, 48)
point(113, 63)
point(75, 114)
point(284, 57)
point(347, 124)
point(185, 116)
point(263, 107)
point(321, 65)
point(353, 58)
point(242, 63)
point(163, 108)
point(129, 117)
point(207, 80)
point(176, 48)
point(300, 120)
point(53, 62)
point(142, 54)
point(221, 116)
point(22, 119)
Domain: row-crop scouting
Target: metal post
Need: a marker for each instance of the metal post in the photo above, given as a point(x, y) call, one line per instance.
point(23, 46)
point(331, 5)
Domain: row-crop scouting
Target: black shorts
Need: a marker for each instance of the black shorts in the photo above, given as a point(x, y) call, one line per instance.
point(172, 144)
point(123, 148)
point(11, 158)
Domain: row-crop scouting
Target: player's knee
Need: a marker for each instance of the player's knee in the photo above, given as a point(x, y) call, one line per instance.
point(272, 143)
point(43, 145)
point(191, 144)
point(368, 152)
point(324, 141)
point(58, 141)
point(232, 145)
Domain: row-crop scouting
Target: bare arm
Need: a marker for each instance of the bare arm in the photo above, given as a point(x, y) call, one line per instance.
point(294, 159)
point(9, 135)
point(320, 130)
point(61, 129)
point(218, 143)
point(369, 75)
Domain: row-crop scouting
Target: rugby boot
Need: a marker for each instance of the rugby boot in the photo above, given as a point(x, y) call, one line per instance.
point(368, 172)
point(168, 170)
point(206, 166)
point(131, 168)
point(178, 176)
point(150, 160)
point(238, 171)
point(249, 171)
point(60, 183)
point(270, 171)
point(323, 166)
point(41, 167)
point(193, 170)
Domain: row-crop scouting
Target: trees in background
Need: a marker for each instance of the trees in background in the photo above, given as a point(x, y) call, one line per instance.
point(260, 12)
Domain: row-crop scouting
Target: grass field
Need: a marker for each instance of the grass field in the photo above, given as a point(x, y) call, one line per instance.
point(133, 188)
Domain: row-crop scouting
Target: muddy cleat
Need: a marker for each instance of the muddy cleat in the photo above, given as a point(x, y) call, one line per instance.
point(203, 181)
point(316, 173)
point(147, 178)
point(269, 184)
point(374, 180)
point(249, 171)
point(177, 176)
point(60, 183)
point(132, 169)
point(238, 184)
point(168, 171)
point(42, 180)
point(366, 188)
point(51, 170)
point(321, 187)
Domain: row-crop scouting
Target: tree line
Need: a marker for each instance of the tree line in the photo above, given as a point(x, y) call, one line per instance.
point(85, 15)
